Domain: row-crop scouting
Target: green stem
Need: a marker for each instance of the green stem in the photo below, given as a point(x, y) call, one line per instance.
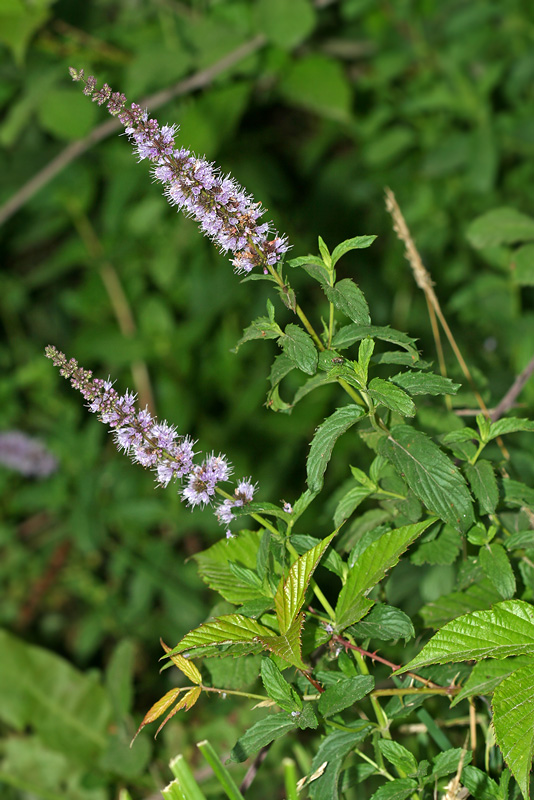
point(220, 771)
point(377, 708)
point(290, 779)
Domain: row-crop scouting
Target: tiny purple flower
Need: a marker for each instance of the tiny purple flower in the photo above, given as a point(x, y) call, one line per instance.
point(288, 508)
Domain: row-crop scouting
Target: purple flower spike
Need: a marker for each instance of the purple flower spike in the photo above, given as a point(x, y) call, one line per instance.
point(223, 210)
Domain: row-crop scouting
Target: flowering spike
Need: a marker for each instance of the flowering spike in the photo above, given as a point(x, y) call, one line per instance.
point(224, 212)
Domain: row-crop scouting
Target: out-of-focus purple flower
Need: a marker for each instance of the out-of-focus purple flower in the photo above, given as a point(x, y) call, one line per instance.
point(26, 455)
point(288, 508)
point(225, 212)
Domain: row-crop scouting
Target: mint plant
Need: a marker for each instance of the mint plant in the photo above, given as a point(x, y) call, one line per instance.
point(448, 492)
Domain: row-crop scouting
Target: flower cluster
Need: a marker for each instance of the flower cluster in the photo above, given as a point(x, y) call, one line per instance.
point(155, 445)
point(225, 213)
point(26, 455)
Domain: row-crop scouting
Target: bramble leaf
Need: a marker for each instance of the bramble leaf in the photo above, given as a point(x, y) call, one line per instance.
point(431, 476)
point(513, 715)
point(262, 733)
point(159, 708)
point(487, 674)
point(185, 665)
point(497, 568)
point(507, 629)
point(228, 629)
point(288, 645)
point(214, 566)
point(384, 622)
point(349, 299)
point(344, 693)
point(278, 688)
point(324, 440)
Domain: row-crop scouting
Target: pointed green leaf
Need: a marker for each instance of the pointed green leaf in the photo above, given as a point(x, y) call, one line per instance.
point(356, 243)
point(261, 328)
point(228, 629)
point(332, 751)
point(443, 549)
point(517, 493)
point(487, 674)
point(448, 761)
point(424, 383)
point(324, 440)
point(288, 645)
point(512, 425)
point(483, 484)
point(278, 688)
point(349, 503)
point(392, 397)
point(477, 597)
point(299, 347)
point(344, 693)
point(353, 333)
point(399, 756)
point(397, 789)
point(291, 591)
point(480, 785)
point(385, 623)
point(496, 566)
point(313, 265)
point(430, 474)
point(332, 560)
point(523, 275)
point(507, 629)
point(262, 733)
point(500, 226)
point(371, 567)
point(513, 720)
point(346, 296)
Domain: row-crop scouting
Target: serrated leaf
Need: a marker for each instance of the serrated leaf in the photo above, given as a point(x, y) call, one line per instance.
point(480, 785)
point(292, 590)
point(344, 694)
point(500, 226)
point(424, 383)
point(288, 645)
point(214, 569)
point(159, 708)
point(516, 493)
point(497, 568)
point(483, 484)
point(246, 576)
point(513, 715)
point(505, 630)
point(310, 386)
point(326, 764)
point(371, 567)
point(487, 674)
point(520, 540)
point(261, 328)
point(278, 688)
point(349, 503)
point(397, 789)
point(324, 440)
point(385, 623)
point(307, 718)
point(448, 761)
point(228, 629)
point(512, 425)
point(313, 265)
point(349, 299)
point(392, 397)
point(185, 703)
point(184, 664)
point(281, 366)
point(299, 348)
point(477, 597)
point(332, 560)
point(399, 756)
point(356, 243)
point(262, 733)
point(431, 476)
point(442, 550)
point(353, 333)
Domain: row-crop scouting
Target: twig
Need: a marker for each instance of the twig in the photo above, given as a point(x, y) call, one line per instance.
point(197, 81)
point(509, 398)
point(254, 767)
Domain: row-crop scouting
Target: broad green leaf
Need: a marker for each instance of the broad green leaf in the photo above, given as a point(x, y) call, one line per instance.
point(520, 540)
point(353, 333)
point(357, 243)
point(62, 113)
point(509, 425)
point(332, 560)
point(505, 630)
point(332, 751)
point(487, 674)
point(371, 567)
point(313, 265)
point(261, 328)
point(497, 568)
point(397, 789)
point(517, 493)
point(288, 645)
point(307, 718)
point(324, 440)
point(523, 260)
point(480, 785)
point(281, 366)
point(442, 550)
point(391, 396)
point(278, 688)
point(262, 733)
point(292, 590)
point(247, 576)
point(349, 503)
point(299, 347)
point(344, 693)
point(513, 721)
point(385, 623)
point(311, 384)
point(448, 761)
point(214, 566)
point(349, 299)
point(285, 24)
point(500, 226)
point(477, 597)
point(431, 476)
point(399, 756)
point(319, 84)
point(228, 629)
point(424, 383)
point(483, 484)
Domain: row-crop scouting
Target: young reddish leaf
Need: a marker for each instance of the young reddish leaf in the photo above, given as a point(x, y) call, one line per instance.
point(228, 629)
point(291, 591)
point(187, 667)
point(157, 710)
point(188, 701)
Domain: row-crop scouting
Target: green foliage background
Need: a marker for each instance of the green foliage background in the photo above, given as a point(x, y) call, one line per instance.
point(335, 101)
